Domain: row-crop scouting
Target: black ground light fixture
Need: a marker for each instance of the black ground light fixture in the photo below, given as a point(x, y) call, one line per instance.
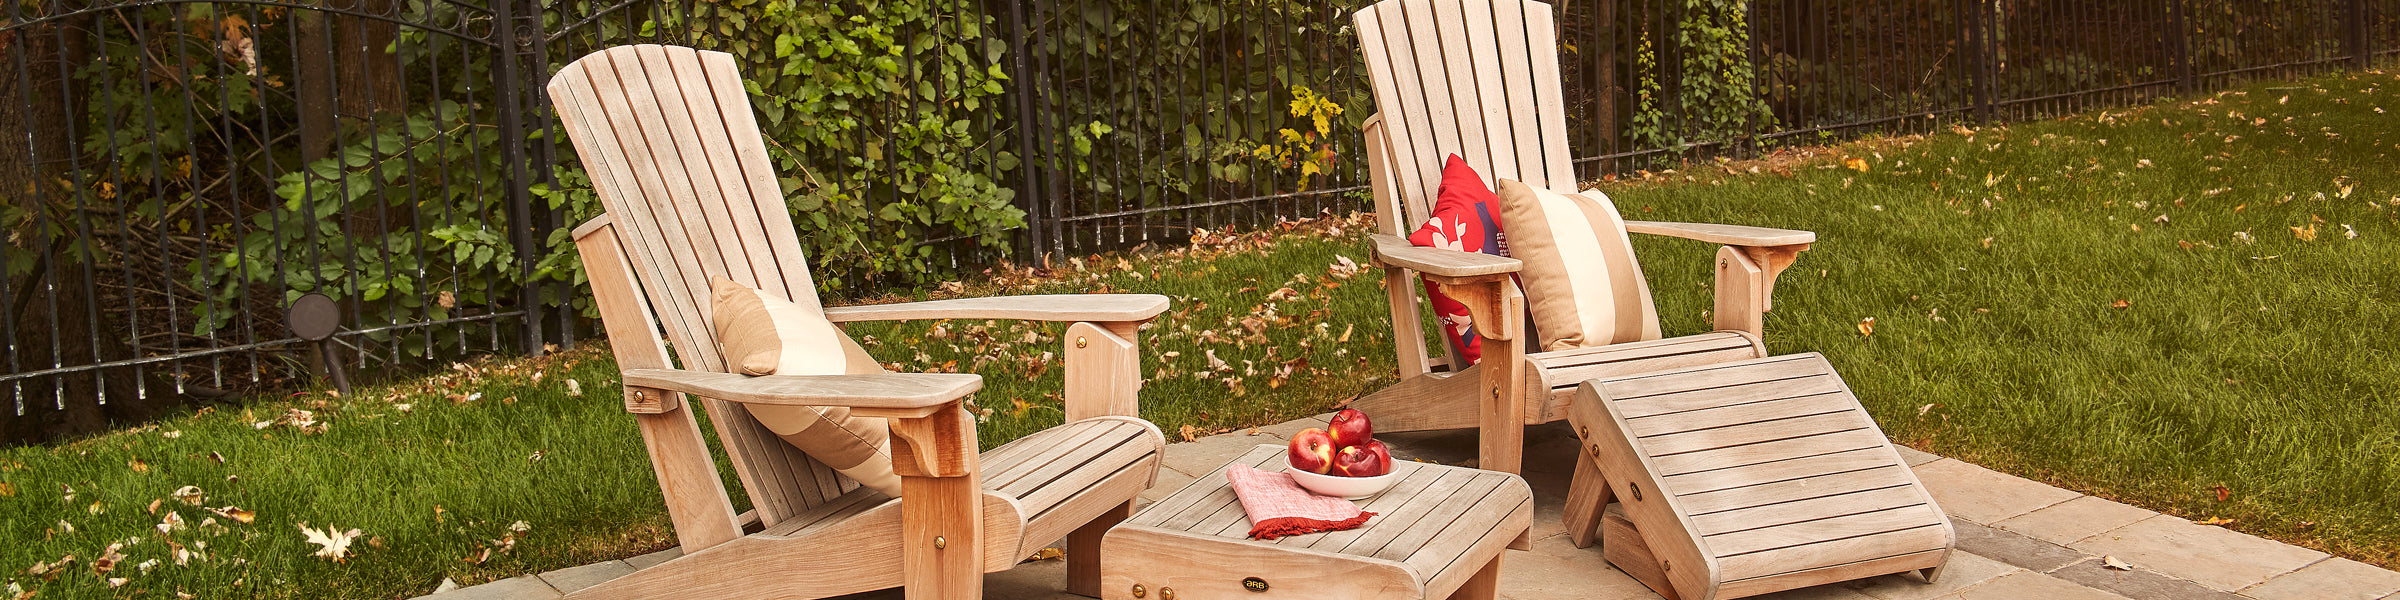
point(314, 317)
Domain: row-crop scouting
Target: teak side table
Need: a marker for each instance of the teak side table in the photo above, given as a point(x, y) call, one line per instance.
point(1437, 533)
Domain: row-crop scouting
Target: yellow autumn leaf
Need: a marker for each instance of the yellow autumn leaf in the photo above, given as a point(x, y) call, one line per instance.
point(1866, 327)
point(1855, 164)
point(2306, 234)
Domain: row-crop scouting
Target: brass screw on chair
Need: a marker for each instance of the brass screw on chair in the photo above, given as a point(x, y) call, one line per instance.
point(1080, 342)
point(1166, 593)
point(1585, 433)
point(1637, 491)
point(1495, 393)
point(1139, 592)
point(940, 543)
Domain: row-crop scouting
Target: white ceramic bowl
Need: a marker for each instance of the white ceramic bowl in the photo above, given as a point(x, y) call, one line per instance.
point(1351, 488)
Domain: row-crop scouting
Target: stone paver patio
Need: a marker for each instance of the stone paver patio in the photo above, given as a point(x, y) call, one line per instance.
point(2017, 539)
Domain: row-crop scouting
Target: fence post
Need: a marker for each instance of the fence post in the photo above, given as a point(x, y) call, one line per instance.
point(1972, 38)
point(1029, 170)
point(507, 86)
point(2362, 53)
point(2185, 80)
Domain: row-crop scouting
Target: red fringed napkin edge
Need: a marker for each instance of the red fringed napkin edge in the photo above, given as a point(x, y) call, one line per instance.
point(1284, 526)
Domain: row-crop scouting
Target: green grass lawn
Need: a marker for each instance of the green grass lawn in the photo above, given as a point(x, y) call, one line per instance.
point(2117, 303)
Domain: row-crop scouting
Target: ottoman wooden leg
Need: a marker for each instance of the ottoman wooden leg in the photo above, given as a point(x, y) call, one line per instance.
point(1485, 585)
point(1588, 495)
point(1083, 551)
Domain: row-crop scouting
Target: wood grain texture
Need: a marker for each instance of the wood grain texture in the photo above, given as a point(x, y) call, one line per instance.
point(1204, 566)
point(1436, 529)
point(1587, 497)
point(1837, 552)
point(1741, 302)
point(799, 565)
point(1501, 442)
point(1040, 307)
point(1730, 235)
point(1483, 585)
point(1085, 548)
point(893, 391)
point(1104, 372)
point(1623, 547)
point(941, 536)
point(696, 499)
point(1701, 503)
point(1392, 250)
point(1684, 558)
point(1823, 575)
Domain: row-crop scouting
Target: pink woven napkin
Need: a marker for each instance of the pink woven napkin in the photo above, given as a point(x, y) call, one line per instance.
point(1278, 506)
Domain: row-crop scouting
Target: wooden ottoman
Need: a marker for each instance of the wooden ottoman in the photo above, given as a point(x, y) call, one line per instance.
point(1437, 533)
point(1746, 478)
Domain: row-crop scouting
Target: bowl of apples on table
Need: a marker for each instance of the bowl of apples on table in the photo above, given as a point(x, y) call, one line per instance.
point(1343, 459)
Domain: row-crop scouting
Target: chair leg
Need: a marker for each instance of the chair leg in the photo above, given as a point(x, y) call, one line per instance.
point(1588, 495)
point(1485, 585)
point(1083, 550)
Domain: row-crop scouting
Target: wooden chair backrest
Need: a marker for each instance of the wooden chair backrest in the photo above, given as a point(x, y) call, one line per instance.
point(675, 153)
point(1478, 78)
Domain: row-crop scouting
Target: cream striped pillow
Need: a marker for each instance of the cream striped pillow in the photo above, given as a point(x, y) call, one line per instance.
point(761, 334)
point(1581, 281)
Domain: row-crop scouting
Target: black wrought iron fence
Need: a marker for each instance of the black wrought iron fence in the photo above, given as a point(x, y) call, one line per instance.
point(176, 172)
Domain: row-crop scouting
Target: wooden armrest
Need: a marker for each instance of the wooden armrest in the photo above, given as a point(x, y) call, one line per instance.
point(1051, 307)
point(877, 395)
point(1393, 251)
point(1730, 235)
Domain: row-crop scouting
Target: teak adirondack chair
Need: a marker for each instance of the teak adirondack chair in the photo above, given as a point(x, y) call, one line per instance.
point(1479, 78)
point(675, 155)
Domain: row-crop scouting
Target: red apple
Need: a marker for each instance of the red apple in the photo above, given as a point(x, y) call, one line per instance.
point(1349, 428)
point(1381, 452)
point(1312, 451)
point(1357, 461)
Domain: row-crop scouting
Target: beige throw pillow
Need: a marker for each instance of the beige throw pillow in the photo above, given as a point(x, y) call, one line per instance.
point(1580, 278)
point(760, 334)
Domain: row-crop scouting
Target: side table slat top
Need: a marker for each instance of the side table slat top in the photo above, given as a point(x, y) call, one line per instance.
point(1428, 500)
point(1435, 530)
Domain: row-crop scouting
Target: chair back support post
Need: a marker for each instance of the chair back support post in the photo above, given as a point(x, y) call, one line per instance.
point(687, 475)
point(1408, 335)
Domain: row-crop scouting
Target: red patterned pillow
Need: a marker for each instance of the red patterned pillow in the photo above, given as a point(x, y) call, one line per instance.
point(1466, 218)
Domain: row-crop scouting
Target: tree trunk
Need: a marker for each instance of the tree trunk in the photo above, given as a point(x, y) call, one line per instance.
point(52, 314)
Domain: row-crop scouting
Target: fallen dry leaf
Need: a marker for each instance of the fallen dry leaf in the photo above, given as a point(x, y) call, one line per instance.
point(236, 513)
point(2113, 563)
point(2121, 304)
point(1855, 164)
point(333, 544)
point(1189, 433)
point(2214, 521)
point(1051, 553)
point(2222, 493)
point(1866, 327)
point(2308, 234)
point(190, 495)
